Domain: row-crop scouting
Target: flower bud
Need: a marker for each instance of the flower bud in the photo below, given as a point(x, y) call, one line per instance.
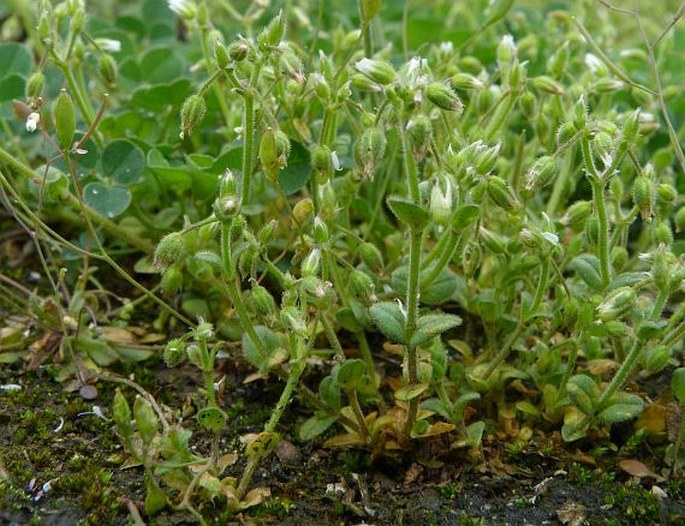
point(486, 158)
point(267, 233)
point(657, 359)
point(441, 203)
point(662, 234)
point(565, 133)
point(666, 193)
point(602, 146)
point(274, 149)
point(195, 356)
point(369, 150)
point(465, 81)
point(541, 173)
point(322, 165)
point(506, 51)
point(680, 219)
point(192, 113)
point(577, 214)
point(362, 286)
point(107, 67)
point(470, 258)
point(263, 302)
point(226, 208)
point(372, 257)
point(321, 235)
point(556, 64)
point(34, 86)
point(420, 132)
point(302, 211)
point(174, 352)
point(78, 20)
point(643, 196)
point(172, 280)
point(631, 127)
point(311, 263)
point(379, 71)
point(443, 97)
point(619, 257)
point(273, 33)
point(592, 230)
point(65, 120)
point(171, 249)
point(528, 103)
point(223, 59)
point(185, 9)
point(492, 241)
point(484, 101)
point(500, 194)
point(580, 114)
point(364, 84)
point(616, 303)
point(369, 9)
point(547, 84)
point(292, 321)
point(227, 184)
point(238, 50)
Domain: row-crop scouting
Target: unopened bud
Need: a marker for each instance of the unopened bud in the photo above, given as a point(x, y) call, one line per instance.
point(565, 133)
point(267, 233)
point(580, 114)
point(302, 211)
point(501, 194)
point(607, 85)
point(541, 173)
point(263, 301)
point(192, 113)
point(666, 193)
point(34, 86)
point(310, 265)
point(171, 249)
point(506, 51)
point(369, 9)
point(292, 321)
point(361, 285)
point(172, 280)
point(577, 214)
point(238, 50)
point(369, 150)
point(643, 196)
point(273, 33)
point(420, 132)
point(223, 59)
point(680, 219)
point(174, 352)
point(379, 71)
point(616, 303)
point(440, 204)
point(465, 81)
point(443, 97)
point(486, 158)
point(373, 258)
point(226, 208)
point(107, 67)
point(548, 85)
point(65, 120)
point(662, 234)
point(322, 164)
point(321, 234)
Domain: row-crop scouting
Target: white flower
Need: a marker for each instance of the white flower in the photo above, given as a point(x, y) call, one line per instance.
point(32, 121)
point(447, 48)
point(594, 63)
point(336, 162)
point(364, 66)
point(108, 44)
point(183, 8)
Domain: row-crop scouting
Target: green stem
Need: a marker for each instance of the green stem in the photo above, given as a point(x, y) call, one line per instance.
point(560, 183)
point(500, 116)
point(542, 286)
point(504, 351)
point(412, 316)
point(622, 374)
point(284, 400)
point(248, 149)
point(570, 366)
point(659, 304)
point(358, 414)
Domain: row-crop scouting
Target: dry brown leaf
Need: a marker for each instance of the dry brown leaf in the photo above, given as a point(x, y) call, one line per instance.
point(653, 419)
point(637, 469)
point(118, 335)
point(602, 366)
point(572, 513)
point(412, 474)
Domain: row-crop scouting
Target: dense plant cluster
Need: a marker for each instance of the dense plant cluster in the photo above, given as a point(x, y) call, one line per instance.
point(499, 213)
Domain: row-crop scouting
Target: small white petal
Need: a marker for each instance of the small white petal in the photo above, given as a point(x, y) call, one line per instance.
point(336, 162)
point(32, 121)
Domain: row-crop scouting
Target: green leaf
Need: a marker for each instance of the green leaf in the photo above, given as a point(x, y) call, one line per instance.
point(408, 212)
point(99, 351)
point(622, 407)
point(582, 391)
point(252, 353)
point(329, 391)
point(464, 216)
point(15, 59)
point(175, 178)
point(347, 320)
point(155, 498)
point(212, 418)
point(316, 425)
point(161, 65)
point(650, 329)
point(441, 289)
point(410, 392)
point(12, 87)
point(351, 373)
point(160, 96)
point(587, 266)
point(299, 169)
point(124, 162)
point(107, 200)
point(678, 385)
point(432, 325)
point(389, 318)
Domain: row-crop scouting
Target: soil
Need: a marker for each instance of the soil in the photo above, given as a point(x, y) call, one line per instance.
point(60, 464)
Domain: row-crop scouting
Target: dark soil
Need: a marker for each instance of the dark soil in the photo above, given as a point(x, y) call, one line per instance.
point(81, 463)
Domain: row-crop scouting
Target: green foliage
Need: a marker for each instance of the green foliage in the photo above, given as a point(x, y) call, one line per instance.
point(308, 194)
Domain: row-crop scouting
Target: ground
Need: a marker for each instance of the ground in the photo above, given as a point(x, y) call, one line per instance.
point(51, 436)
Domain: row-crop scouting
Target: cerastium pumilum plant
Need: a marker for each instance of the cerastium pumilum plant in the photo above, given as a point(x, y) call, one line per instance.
point(494, 217)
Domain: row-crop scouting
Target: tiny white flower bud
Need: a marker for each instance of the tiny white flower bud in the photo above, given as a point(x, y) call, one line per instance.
point(32, 121)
